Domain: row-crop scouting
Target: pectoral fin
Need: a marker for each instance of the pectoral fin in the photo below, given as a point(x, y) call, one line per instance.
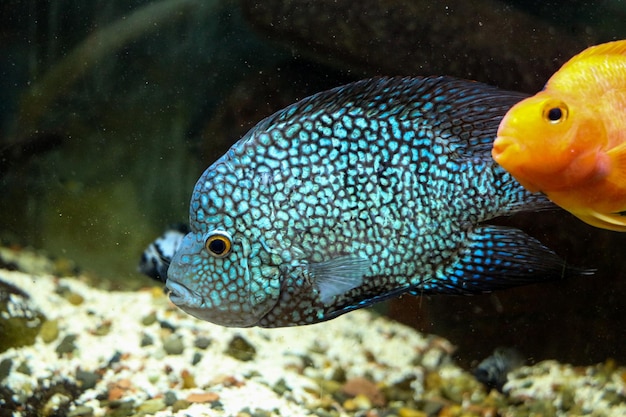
point(338, 276)
point(617, 168)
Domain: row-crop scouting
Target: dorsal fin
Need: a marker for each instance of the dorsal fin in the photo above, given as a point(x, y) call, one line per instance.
point(582, 72)
point(465, 113)
point(609, 48)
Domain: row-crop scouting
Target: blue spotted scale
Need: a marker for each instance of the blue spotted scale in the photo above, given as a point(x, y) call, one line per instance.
point(354, 195)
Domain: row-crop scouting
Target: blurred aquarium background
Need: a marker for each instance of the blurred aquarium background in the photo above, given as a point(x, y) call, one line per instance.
point(110, 111)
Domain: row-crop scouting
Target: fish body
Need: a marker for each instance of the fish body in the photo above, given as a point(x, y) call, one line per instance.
point(352, 196)
point(569, 140)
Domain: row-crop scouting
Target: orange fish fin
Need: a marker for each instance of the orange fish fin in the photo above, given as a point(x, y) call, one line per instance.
point(609, 221)
point(563, 79)
point(609, 48)
point(617, 158)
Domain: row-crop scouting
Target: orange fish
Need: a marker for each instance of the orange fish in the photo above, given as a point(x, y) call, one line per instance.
point(569, 140)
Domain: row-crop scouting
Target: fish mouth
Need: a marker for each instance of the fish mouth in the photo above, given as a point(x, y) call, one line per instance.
point(181, 295)
point(502, 146)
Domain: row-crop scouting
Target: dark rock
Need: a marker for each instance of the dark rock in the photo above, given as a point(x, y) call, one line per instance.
point(146, 340)
point(24, 369)
point(281, 387)
point(239, 348)
point(167, 325)
point(81, 411)
point(202, 342)
point(20, 321)
point(67, 345)
point(87, 379)
point(117, 356)
point(5, 368)
point(170, 398)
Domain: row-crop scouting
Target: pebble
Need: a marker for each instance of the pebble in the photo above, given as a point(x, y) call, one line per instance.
point(202, 397)
point(71, 296)
point(173, 345)
point(103, 328)
point(49, 331)
point(339, 374)
point(329, 386)
point(75, 298)
point(239, 348)
point(24, 369)
point(180, 405)
point(121, 408)
point(151, 406)
point(167, 325)
point(359, 402)
point(87, 379)
point(188, 379)
point(81, 411)
point(456, 389)
point(67, 345)
point(401, 390)
point(149, 319)
point(202, 342)
point(118, 389)
point(360, 386)
point(146, 340)
point(280, 387)
point(5, 368)
point(169, 397)
point(409, 412)
point(115, 358)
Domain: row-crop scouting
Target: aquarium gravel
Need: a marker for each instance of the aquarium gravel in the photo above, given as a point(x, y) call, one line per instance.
point(134, 354)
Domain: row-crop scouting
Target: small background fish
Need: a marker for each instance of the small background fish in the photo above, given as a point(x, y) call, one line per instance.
point(493, 371)
point(352, 196)
point(156, 258)
point(569, 140)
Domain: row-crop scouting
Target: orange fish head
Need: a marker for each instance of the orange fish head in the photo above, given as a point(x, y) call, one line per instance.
point(539, 143)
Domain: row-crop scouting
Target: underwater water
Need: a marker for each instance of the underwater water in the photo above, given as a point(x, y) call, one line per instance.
point(111, 110)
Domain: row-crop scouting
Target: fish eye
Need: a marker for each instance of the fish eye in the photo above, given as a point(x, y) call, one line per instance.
point(555, 112)
point(218, 243)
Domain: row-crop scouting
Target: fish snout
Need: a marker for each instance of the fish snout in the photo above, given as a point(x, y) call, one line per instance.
point(181, 295)
point(504, 147)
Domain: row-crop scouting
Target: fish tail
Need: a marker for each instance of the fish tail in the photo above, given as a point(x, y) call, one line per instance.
point(498, 257)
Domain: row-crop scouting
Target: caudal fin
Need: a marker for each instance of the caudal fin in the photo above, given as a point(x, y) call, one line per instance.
point(499, 257)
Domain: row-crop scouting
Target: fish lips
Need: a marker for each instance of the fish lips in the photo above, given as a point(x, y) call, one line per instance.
point(505, 148)
point(182, 296)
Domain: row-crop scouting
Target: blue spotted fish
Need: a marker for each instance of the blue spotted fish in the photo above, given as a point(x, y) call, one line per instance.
point(361, 193)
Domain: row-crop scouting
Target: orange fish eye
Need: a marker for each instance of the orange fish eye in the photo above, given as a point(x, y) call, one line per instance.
point(218, 243)
point(555, 112)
